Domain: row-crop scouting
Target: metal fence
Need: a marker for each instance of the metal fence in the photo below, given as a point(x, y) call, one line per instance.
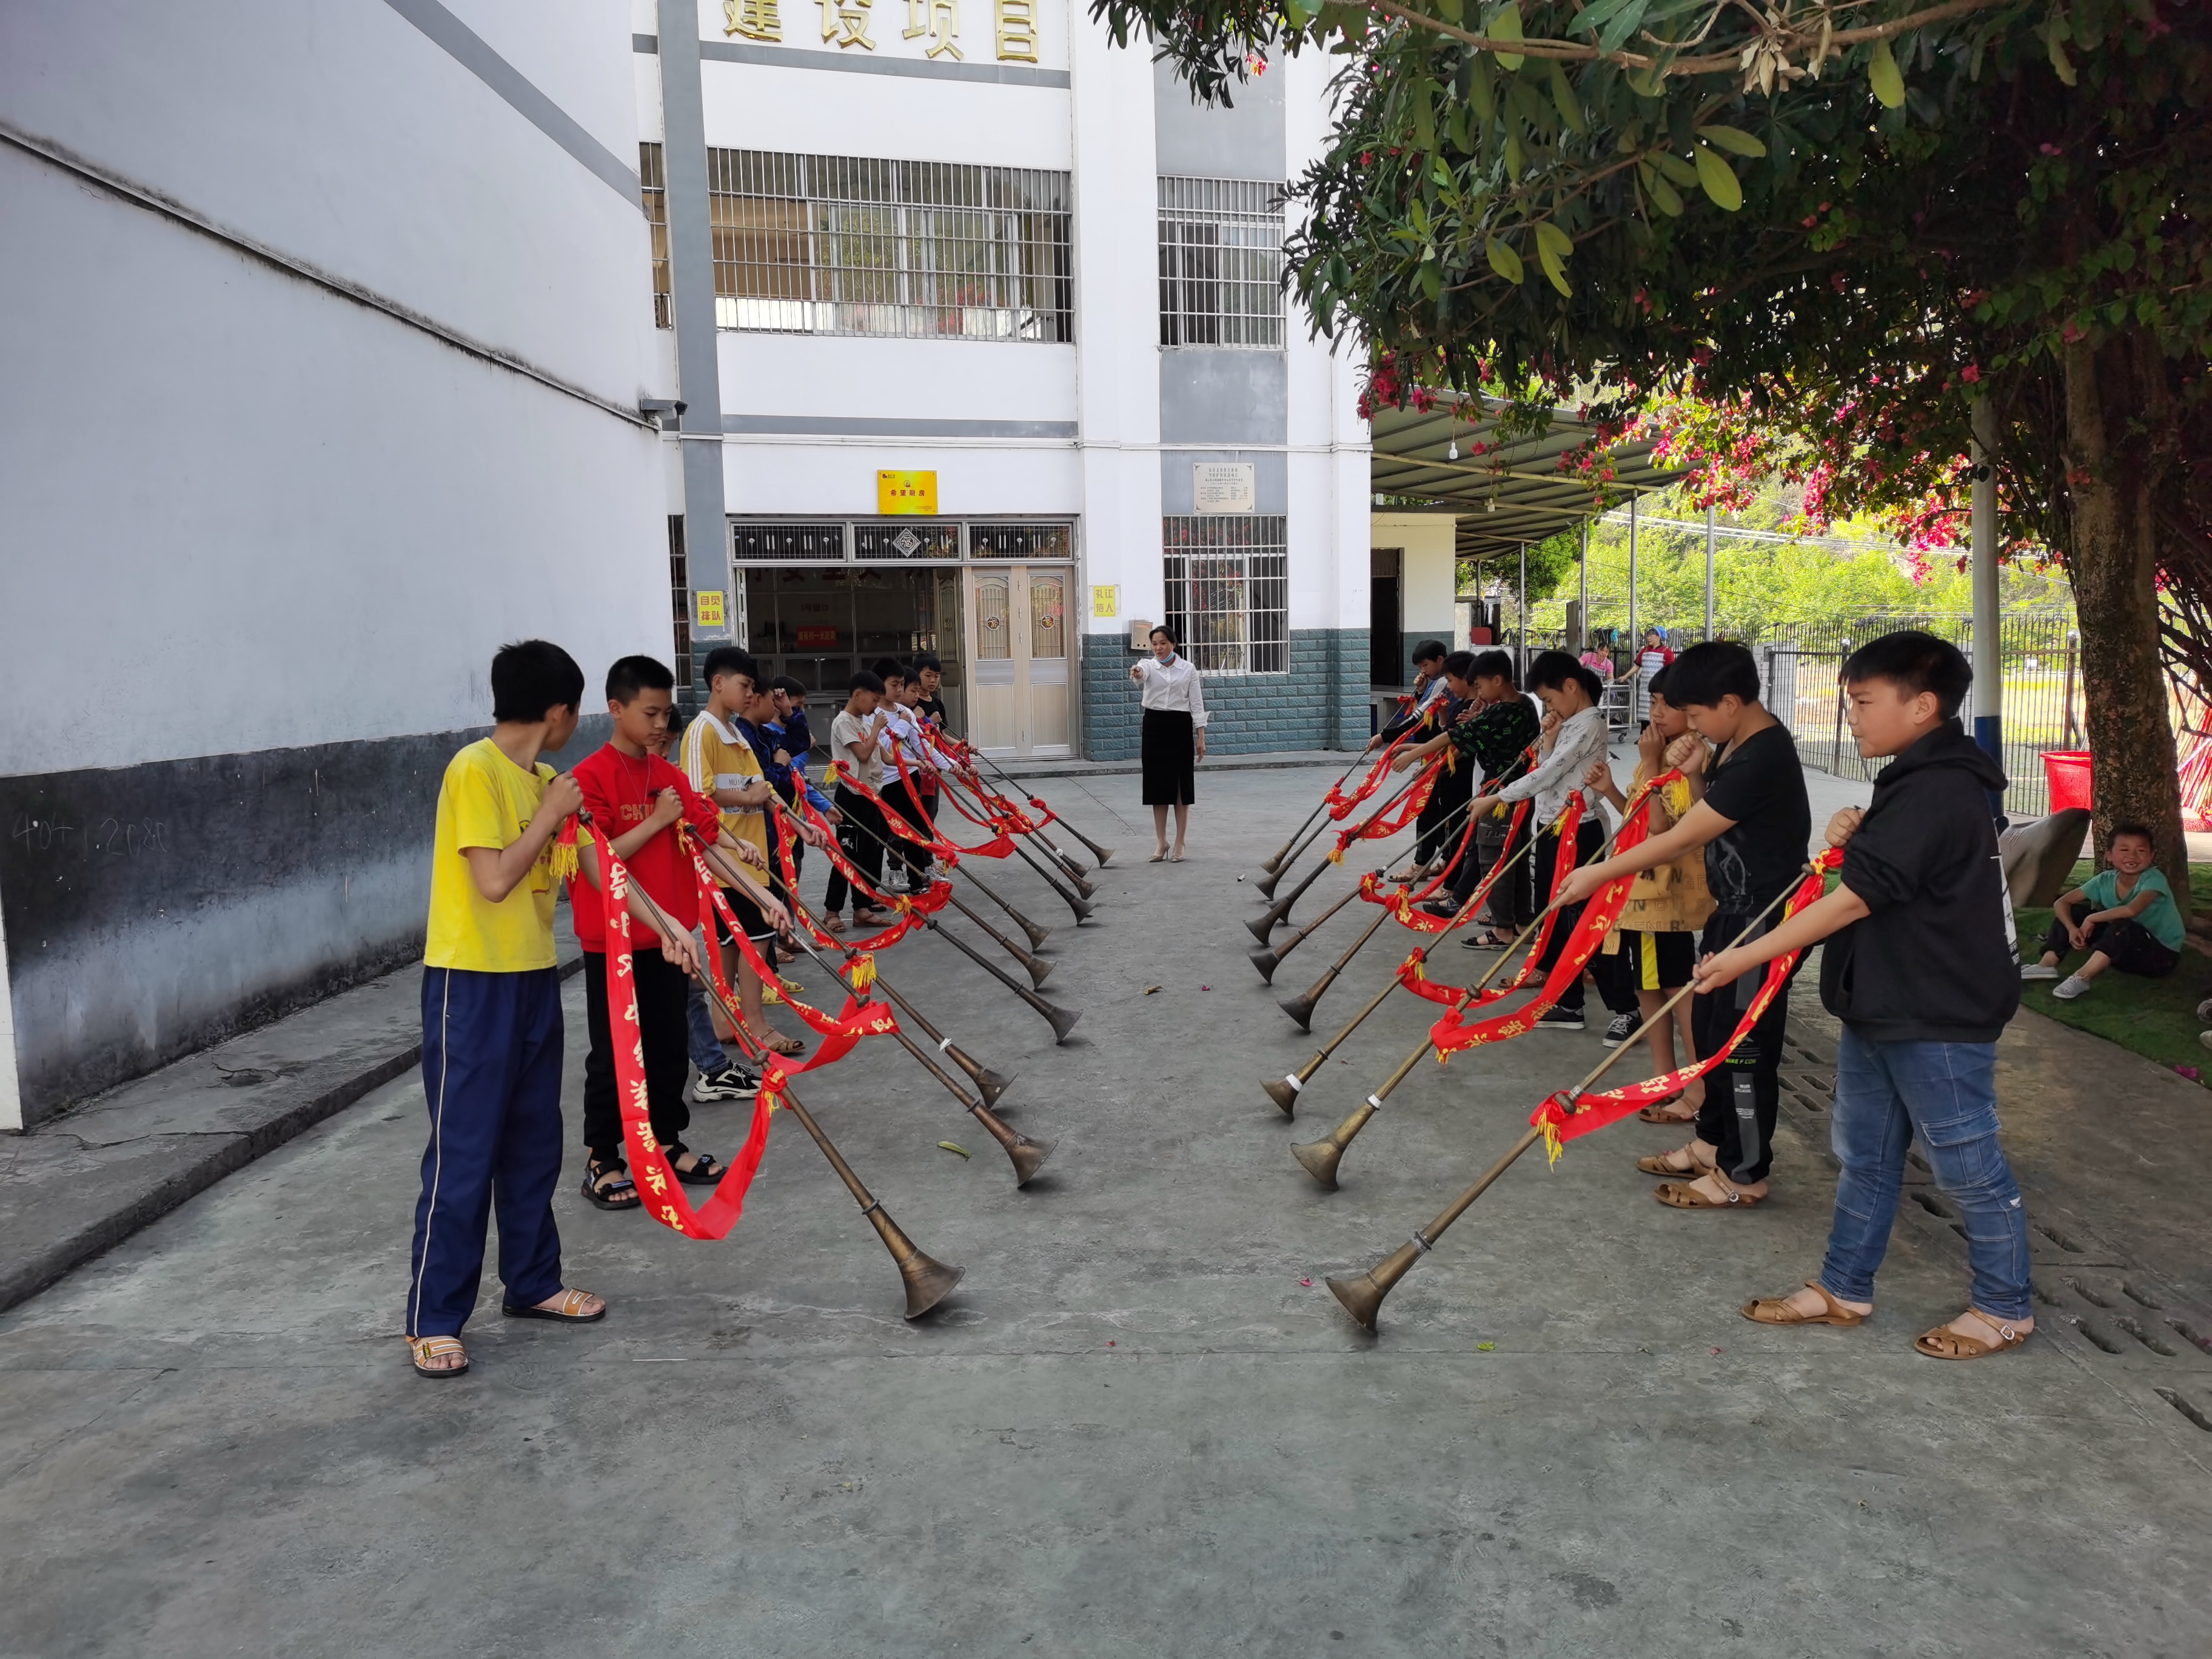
point(2040, 653)
point(1228, 592)
point(1221, 263)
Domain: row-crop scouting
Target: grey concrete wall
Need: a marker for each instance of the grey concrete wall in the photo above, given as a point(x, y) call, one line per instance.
point(1321, 704)
point(1244, 140)
point(1271, 478)
point(1212, 395)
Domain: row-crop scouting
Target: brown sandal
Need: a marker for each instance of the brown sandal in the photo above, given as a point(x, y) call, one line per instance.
point(1657, 1164)
point(788, 1048)
point(437, 1347)
point(1654, 1114)
point(1776, 1311)
point(835, 924)
point(1944, 1343)
point(1684, 1195)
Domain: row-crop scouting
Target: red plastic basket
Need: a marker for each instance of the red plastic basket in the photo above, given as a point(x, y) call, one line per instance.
point(2067, 771)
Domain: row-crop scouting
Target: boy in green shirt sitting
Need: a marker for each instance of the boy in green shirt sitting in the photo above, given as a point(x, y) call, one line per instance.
point(2132, 923)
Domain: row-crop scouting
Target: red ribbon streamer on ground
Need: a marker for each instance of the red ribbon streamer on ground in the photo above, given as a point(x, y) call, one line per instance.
point(1562, 1118)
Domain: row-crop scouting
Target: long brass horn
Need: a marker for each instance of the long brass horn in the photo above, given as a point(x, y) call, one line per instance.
point(1264, 923)
point(1061, 1019)
point(1104, 854)
point(1037, 935)
point(1269, 864)
point(1080, 906)
point(1301, 1008)
point(1060, 855)
point(1040, 969)
point(1267, 883)
point(928, 1282)
point(989, 1084)
point(1268, 960)
point(1285, 1091)
point(1362, 1295)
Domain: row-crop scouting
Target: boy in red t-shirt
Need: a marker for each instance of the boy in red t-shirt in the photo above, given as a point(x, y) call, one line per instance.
point(638, 798)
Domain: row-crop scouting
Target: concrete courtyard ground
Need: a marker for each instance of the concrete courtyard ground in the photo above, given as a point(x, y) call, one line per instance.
point(1136, 1430)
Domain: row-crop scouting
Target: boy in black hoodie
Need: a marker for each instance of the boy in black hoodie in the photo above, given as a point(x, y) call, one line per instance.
point(1923, 971)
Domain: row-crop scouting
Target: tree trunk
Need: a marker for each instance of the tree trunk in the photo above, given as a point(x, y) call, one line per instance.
point(2114, 391)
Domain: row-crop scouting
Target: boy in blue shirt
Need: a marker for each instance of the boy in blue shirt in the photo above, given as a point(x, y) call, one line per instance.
point(2132, 925)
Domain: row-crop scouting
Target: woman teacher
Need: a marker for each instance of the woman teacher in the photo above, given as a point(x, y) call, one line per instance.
point(1174, 739)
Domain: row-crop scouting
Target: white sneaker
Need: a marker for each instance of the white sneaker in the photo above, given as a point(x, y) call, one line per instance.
point(2069, 987)
point(2205, 1037)
point(2044, 970)
point(2204, 1012)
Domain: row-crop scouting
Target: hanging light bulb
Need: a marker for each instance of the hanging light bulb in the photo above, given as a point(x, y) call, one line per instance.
point(1455, 448)
point(1490, 503)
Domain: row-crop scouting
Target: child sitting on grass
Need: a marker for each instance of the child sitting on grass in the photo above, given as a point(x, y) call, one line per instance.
point(2132, 924)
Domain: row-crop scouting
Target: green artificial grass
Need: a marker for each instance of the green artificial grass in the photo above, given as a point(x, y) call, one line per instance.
point(2154, 1017)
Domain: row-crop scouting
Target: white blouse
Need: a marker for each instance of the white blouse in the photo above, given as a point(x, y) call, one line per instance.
point(1174, 687)
point(1560, 774)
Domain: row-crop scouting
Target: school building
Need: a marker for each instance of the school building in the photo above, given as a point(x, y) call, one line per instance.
point(340, 344)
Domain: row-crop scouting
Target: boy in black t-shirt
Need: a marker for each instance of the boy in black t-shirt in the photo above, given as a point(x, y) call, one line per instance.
point(1754, 823)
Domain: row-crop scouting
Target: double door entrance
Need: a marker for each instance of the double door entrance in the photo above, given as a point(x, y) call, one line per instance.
point(1001, 630)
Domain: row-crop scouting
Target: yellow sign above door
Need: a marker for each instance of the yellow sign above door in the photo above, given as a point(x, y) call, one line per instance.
point(903, 492)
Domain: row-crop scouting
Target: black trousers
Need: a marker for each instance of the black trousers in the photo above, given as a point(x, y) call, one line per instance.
point(860, 836)
point(912, 853)
point(1511, 901)
point(1588, 837)
point(1743, 1094)
point(664, 1030)
point(2133, 947)
point(1436, 829)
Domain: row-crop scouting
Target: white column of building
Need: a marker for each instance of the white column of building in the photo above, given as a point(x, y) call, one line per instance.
point(1116, 341)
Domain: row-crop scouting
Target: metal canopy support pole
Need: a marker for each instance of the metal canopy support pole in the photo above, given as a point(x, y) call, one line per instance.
point(1632, 580)
point(1582, 593)
point(1709, 573)
point(1524, 629)
point(1989, 661)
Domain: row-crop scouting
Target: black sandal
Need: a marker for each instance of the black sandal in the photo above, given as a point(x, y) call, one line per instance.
point(707, 1172)
point(619, 1193)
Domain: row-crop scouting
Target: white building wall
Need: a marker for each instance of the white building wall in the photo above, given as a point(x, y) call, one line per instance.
point(265, 491)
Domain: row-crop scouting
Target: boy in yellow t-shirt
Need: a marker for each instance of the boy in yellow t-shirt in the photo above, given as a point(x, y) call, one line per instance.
point(491, 1018)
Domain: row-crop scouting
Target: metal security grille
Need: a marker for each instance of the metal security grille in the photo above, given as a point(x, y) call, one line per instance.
point(921, 250)
point(1019, 541)
point(679, 590)
point(651, 175)
point(1228, 595)
point(792, 543)
point(1221, 264)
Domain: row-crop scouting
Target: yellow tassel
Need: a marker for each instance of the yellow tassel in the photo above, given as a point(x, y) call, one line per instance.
point(1337, 857)
point(563, 861)
point(1552, 1144)
point(863, 971)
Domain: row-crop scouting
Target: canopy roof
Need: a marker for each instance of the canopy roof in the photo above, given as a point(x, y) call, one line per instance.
point(1508, 493)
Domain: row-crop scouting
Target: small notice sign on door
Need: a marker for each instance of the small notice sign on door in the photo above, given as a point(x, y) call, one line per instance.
point(1106, 603)
point(900, 493)
point(1224, 486)
point(708, 607)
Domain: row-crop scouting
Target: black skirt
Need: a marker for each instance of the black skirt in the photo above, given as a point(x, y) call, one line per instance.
point(1168, 747)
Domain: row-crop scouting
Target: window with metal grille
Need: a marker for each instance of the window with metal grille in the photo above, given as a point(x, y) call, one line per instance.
point(1221, 264)
point(654, 179)
point(1227, 598)
point(921, 250)
point(679, 587)
point(1020, 541)
point(778, 543)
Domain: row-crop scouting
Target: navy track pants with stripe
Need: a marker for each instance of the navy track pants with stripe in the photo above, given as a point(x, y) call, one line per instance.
point(491, 1072)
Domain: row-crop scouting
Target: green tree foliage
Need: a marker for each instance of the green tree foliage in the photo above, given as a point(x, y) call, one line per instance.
point(1846, 224)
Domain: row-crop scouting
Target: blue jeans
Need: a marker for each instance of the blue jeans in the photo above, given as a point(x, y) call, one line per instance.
point(707, 1051)
point(1945, 1093)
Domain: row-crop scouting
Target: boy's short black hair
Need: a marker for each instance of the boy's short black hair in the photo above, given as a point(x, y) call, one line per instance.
point(1551, 670)
point(631, 675)
point(927, 659)
point(1430, 650)
point(1708, 672)
point(730, 660)
point(1459, 665)
point(2142, 830)
point(1914, 662)
point(1492, 664)
point(865, 681)
point(890, 668)
point(785, 683)
point(532, 676)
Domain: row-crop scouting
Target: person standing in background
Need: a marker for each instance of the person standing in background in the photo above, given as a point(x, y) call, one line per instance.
point(1651, 656)
point(1173, 738)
